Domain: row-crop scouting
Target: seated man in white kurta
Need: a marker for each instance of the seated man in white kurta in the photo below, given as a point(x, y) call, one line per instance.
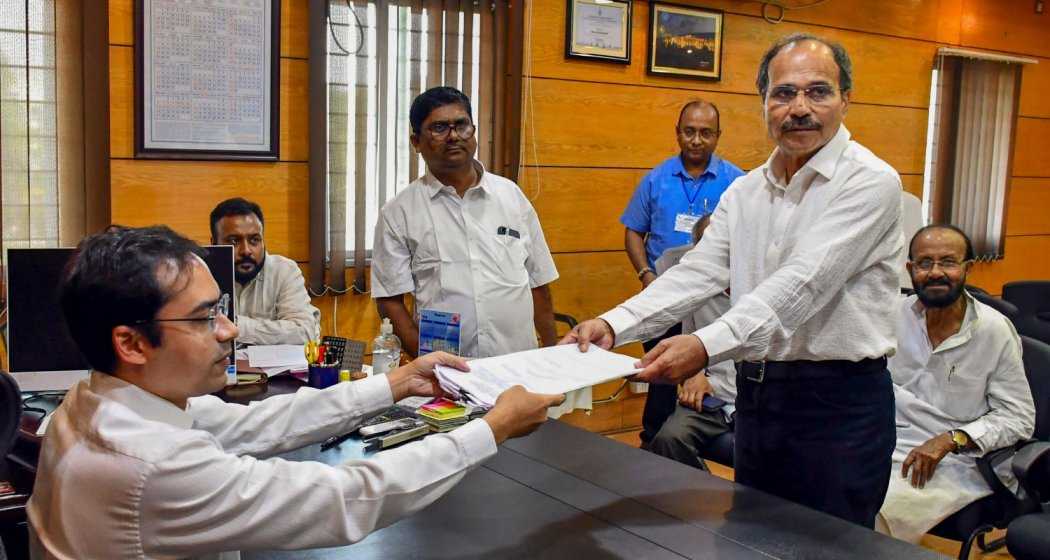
point(959, 385)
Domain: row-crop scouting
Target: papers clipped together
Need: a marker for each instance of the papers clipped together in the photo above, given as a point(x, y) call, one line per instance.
point(553, 370)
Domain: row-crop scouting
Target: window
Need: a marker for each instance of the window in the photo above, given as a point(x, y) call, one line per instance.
point(973, 116)
point(381, 55)
point(28, 139)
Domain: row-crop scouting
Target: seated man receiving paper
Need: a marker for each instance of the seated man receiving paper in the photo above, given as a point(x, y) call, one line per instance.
point(139, 461)
point(959, 386)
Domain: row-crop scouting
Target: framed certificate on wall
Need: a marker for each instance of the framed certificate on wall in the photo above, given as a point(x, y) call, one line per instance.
point(207, 79)
point(598, 30)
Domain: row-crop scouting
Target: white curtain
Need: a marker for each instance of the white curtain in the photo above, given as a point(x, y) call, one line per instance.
point(987, 95)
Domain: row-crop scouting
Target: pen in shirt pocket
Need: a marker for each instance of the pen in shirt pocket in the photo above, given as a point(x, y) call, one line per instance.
point(951, 370)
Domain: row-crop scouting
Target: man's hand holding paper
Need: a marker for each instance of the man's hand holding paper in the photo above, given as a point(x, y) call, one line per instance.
point(552, 370)
point(672, 361)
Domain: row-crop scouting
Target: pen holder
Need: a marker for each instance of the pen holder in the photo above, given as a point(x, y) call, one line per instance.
point(320, 377)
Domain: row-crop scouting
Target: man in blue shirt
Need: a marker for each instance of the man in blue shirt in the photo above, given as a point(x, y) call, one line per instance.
point(662, 211)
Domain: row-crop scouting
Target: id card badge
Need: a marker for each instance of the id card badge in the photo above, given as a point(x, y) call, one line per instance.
point(438, 332)
point(684, 222)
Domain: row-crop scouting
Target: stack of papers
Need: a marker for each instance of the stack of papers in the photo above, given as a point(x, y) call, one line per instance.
point(277, 358)
point(443, 415)
point(552, 370)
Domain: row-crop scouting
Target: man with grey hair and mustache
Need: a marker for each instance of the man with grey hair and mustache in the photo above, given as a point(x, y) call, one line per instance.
point(809, 244)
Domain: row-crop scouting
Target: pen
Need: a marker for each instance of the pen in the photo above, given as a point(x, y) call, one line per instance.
point(335, 441)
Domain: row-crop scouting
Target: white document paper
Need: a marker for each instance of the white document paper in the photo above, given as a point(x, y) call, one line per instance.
point(286, 356)
point(553, 370)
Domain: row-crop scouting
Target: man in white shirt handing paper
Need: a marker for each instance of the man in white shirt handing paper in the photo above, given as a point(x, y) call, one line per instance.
point(959, 385)
point(140, 462)
point(809, 243)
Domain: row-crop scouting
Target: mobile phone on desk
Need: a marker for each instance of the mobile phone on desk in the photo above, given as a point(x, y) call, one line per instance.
point(712, 403)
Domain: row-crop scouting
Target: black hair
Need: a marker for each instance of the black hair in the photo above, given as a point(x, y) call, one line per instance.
point(433, 98)
point(111, 280)
point(837, 51)
point(969, 255)
point(233, 207)
point(700, 103)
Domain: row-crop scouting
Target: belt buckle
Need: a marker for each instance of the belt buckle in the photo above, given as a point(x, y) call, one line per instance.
point(761, 372)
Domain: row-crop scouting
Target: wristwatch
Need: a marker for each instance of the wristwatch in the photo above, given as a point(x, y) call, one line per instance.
point(643, 271)
point(960, 439)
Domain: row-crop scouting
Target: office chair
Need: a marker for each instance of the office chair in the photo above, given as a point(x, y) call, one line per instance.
point(1008, 309)
point(10, 411)
point(972, 523)
point(1032, 298)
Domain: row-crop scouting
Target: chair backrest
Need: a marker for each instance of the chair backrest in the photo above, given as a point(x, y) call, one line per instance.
point(1032, 299)
point(1001, 305)
point(10, 411)
point(1036, 355)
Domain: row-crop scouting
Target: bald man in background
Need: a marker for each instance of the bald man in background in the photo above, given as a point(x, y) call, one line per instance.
point(665, 205)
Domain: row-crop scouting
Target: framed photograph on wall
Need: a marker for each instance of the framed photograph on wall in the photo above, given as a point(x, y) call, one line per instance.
point(207, 79)
point(598, 30)
point(685, 41)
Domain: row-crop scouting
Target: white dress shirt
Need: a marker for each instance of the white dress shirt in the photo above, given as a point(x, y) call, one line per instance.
point(811, 264)
point(446, 251)
point(973, 381)
point(274, 307)
point(721, 376)
point(126, 474)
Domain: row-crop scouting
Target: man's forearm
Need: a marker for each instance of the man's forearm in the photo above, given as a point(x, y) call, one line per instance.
point(405, 328)
point(543, 315)
point(634, 244)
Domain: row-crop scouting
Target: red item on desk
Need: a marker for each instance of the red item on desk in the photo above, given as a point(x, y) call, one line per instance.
point(320, 354)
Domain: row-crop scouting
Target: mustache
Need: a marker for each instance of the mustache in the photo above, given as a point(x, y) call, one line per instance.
point(804, 123)
point(937, 283)
point(247, 260)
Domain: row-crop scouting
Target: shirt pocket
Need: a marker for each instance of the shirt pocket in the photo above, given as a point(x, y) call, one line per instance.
point(515, 253)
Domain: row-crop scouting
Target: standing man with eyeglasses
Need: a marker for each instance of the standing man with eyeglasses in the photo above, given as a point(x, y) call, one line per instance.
point(465, 243)
point(810, 244)
point(665, 205)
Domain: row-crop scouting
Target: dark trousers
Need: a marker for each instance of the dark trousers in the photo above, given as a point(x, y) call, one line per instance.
point(686, 435)
point(824, 442)
point(661, 400)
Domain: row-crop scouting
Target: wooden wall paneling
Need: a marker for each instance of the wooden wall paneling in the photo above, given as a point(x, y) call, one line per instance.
point(1027, 206)
point(295, 29)
point(1025, 260)
point(886, 70)
point(592, 283)
point(356, 314)
point(1035, 87)
point(295, 132)
point(912, 183)
point(579, 208)
point(121, 102)
point(581, 124)
point(181, 194)
point(1005, 25)
point(1030, 148)
point(121, 22)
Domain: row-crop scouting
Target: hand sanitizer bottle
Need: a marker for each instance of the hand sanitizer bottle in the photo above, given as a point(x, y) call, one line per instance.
point(386, 349)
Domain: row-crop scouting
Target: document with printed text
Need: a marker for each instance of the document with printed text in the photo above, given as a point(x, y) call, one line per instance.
point(552, 370)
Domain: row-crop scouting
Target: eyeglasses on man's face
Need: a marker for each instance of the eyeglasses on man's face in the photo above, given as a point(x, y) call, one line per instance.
point(441, 129)
point(221, 307)
point(946, 265)
point(816, 94)
point(707, 134)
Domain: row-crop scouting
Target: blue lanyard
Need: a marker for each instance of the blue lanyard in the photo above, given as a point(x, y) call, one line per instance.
point(696, 194)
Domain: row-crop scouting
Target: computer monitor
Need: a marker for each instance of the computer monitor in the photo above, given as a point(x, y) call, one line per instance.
point(40, 352)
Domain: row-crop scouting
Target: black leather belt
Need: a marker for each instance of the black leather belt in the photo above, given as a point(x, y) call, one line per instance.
point(759, 372)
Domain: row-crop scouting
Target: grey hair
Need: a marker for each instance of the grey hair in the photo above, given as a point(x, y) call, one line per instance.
point(837, 51)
